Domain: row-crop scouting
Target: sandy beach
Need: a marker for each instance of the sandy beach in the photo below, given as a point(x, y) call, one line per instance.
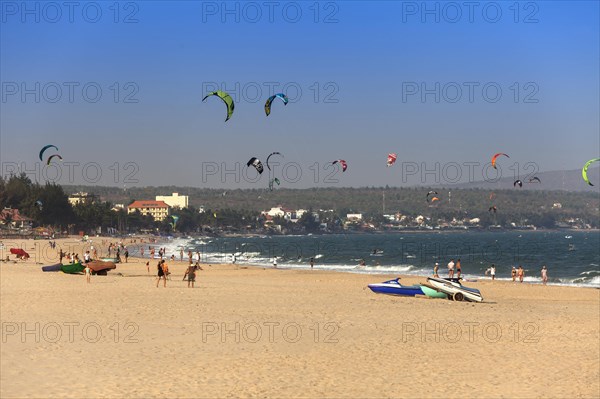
point(255, 332)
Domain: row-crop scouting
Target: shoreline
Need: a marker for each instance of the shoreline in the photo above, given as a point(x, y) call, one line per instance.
point(76, 242)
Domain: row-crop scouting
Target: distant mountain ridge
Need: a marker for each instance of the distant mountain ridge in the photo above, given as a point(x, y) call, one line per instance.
point(565, 180)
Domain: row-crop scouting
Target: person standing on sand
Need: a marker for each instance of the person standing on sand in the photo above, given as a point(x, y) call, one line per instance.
point(435, 270)
point(126, 254)
point(451, 268)
point(142, 252)
point(181, 255)
point(312, 262)
point(148, 267)
point(458, 270)
point(544, 274)
point(161, 274)
point(513, 273)
point(191, 274)
point(492, 271)
point(166, 269)
point(521, 273)
point(88, 273)
point(275, 262)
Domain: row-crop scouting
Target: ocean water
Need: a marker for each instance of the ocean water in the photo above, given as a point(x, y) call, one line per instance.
point(571, 257)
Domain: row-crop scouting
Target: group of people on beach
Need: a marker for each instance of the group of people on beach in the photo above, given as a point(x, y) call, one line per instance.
point(520, 272)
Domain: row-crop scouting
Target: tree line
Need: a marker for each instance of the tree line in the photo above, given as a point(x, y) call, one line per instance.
point(240, 209)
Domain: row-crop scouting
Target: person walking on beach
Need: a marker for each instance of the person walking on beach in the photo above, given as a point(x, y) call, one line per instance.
point(88, 273)
point(181, 255)
point(148, 267)
point(544, 274)
point(458, 269)
point(152, 253)
point(492, 271)
point(435, 270)
point(161, 274)
point(451, 268)
point(513, 273)
point(61, 255)
point(142, 252)
point(312, 262)
point(126, 254)
point(275, 262)
point(521, 273)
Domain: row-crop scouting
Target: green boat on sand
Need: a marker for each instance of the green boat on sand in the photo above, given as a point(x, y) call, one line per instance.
point(431, 292)
point(73, 268)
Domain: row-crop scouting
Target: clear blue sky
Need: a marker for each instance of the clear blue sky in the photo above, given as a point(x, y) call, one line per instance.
point(354, 72)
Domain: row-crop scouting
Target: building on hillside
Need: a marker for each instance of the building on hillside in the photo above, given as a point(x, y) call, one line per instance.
point(159, 210)
point(81, 198)
point(276, 211)
point(174, 201)
point(288, 214)
point(354, 216)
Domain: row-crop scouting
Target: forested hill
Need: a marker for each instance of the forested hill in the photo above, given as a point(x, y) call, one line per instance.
point(567, 180)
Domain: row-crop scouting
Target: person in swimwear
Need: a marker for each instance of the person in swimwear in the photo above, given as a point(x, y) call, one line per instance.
point(544, 274)
point(161, 274)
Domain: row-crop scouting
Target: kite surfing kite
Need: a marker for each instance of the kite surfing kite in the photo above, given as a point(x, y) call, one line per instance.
point(585, 168)
point(434, 199)
point(175, 219)
point(270, 155)
point(44, 149)
point(226, 99)
point(275, 180)
point(283, 97)
point(519, 182)
point(256, 163)
point(343, 163)
point(496, 156)
point(391, 159)
point(531, 180)
point(431, 193)
point(53, 156)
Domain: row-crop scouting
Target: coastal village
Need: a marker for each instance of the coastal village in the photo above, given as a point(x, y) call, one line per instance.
point(165, 211)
